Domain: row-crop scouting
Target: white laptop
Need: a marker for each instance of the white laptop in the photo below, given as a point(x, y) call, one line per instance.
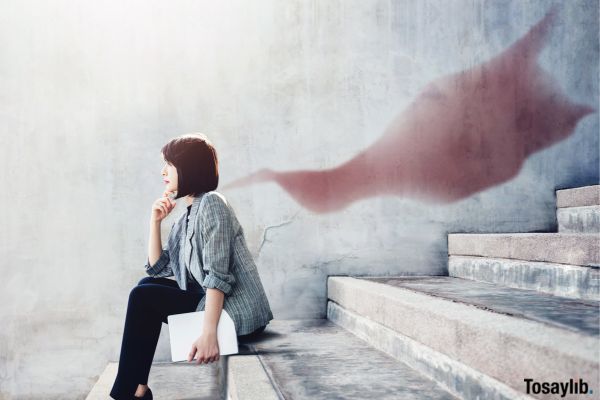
point(185, 328)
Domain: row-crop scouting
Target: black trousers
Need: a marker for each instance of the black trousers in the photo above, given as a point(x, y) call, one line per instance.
point(150, 302)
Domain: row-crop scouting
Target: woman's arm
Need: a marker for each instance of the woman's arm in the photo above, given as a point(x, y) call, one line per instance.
point(212, 308)
point(217, 235)
point(206, 346)
point(158, 259)
point(157, 265)
point(154, 243)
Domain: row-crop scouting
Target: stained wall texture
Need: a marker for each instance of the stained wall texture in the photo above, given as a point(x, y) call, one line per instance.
point(90, 91)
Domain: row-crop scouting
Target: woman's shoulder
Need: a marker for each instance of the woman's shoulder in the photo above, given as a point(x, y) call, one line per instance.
point(216, 200)
point(217, 206)
point(214, 195)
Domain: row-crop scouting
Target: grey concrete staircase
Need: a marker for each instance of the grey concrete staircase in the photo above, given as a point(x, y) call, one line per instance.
point(478, 339)
point(564, 263)
point(294, 359)
point(515, 306)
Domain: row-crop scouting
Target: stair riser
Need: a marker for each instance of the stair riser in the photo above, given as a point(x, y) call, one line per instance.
point(457, 378)
point(558, 279)
point(102, 387)
point(246, 379)
point(505, 348)
point(578, 219)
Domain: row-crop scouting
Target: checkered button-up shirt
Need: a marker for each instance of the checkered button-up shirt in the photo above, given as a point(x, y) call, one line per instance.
point(212, 249)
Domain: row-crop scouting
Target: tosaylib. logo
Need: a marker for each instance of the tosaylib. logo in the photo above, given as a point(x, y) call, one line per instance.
point(562, 388)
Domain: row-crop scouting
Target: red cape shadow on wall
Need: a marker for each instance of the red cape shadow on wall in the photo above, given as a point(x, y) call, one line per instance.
point(463, 133)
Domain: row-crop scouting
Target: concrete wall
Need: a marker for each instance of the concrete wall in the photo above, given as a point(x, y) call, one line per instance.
point(90, 91)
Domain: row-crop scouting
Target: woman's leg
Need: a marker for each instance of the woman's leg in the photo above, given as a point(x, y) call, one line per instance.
point(150, 302)
point(142, 388)
point(160, 281)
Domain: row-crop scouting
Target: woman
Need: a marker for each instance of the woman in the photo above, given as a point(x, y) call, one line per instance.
point(206, 252)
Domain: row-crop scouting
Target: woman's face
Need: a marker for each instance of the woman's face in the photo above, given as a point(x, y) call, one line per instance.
point(169, 173)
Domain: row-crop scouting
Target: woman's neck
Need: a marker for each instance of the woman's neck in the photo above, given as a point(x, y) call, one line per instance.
point(189, 200)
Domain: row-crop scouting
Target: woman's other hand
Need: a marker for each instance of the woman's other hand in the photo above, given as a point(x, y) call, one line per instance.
point(206, 348)
point(162, 207)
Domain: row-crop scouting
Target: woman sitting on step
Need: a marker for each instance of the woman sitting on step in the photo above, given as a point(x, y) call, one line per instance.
point(207, 254)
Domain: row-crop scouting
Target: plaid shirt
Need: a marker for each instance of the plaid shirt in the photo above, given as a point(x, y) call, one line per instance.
point(212, 248)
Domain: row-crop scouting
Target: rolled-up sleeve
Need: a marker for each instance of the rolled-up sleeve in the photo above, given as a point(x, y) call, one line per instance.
point(161, 267)
point(217, 238)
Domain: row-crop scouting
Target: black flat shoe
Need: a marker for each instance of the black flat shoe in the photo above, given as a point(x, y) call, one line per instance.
point(146, 396)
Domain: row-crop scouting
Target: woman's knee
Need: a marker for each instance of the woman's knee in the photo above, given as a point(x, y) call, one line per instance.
point(147, 279)
point(139, 291)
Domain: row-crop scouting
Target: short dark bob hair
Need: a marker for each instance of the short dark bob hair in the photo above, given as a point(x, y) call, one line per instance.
point(196, 161)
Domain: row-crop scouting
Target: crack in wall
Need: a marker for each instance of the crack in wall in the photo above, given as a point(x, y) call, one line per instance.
point(264, 237)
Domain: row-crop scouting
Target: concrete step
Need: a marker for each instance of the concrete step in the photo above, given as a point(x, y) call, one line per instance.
point(477, 339)
point(571, 281)
point(292, 360)
point(561, 248)
point(317, 359)
point(578, 210)
point(202, 381)
point(578, 197)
